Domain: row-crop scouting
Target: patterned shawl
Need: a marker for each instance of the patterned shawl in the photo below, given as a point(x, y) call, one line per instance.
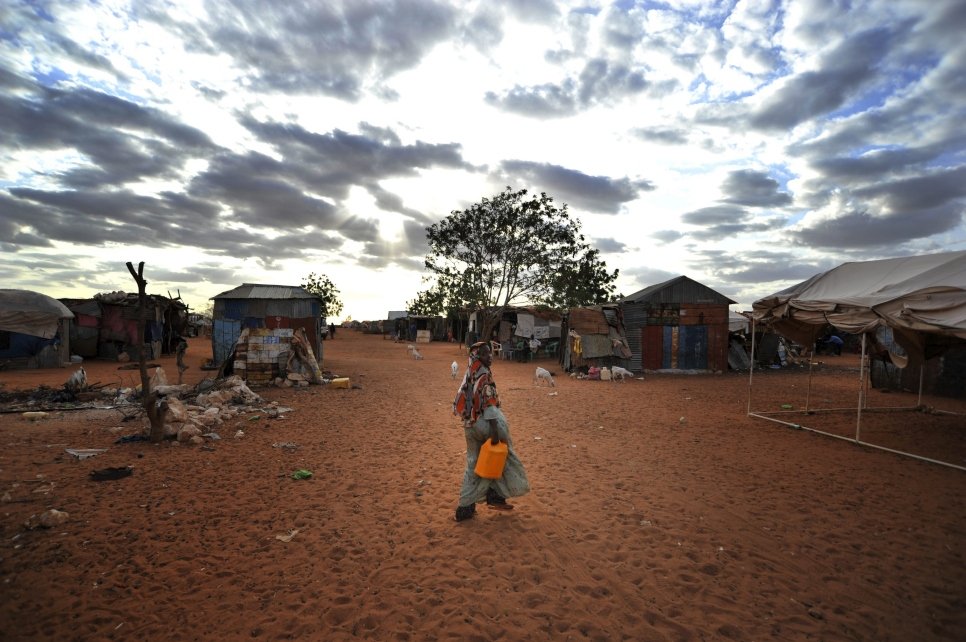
point(478, 390)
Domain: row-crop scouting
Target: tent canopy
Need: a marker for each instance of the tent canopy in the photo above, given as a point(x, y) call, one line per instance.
point(31, 313)
point(922, 298)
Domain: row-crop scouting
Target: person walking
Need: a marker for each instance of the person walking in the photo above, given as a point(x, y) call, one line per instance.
point(477, 403)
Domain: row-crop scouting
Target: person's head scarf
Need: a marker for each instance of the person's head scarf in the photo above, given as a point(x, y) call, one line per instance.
point(477, 388)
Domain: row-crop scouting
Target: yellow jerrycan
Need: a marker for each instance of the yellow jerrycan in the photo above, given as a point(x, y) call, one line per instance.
point(492, 459)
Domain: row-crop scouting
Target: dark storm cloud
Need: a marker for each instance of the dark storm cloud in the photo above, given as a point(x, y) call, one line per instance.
point(861, 229)
point(844, 71)
point(601, 82)
point(593, 193)
point(753, 189)
point(333, 48)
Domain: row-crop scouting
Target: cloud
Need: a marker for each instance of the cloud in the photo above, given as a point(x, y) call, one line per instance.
point(722, 221)
point(609, 245)
point(861, 229)
point(118, 141)
point(331, 48)
point(593, 193)
point(600, 82)
point(753, 189)
point(843, 72)
point(667, 236)
point(662, 136)
point(645, 277)
point(917, 193)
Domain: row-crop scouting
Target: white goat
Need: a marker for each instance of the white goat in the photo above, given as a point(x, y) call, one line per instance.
point(454, 369)
point(77, 381)
point(541, 375)
point(620, 373)
point(416, 354)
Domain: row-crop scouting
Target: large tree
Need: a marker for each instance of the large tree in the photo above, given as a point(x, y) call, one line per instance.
point(510, 250)
point(327, 293)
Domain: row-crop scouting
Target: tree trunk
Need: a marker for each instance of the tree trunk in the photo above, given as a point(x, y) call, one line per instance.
point(149, 396)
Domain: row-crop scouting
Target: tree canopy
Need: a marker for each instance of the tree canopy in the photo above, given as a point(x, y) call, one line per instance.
point(510, 250)
point(327, 293)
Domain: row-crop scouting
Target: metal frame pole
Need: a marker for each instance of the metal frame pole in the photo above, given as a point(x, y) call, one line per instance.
point(751, 369)
point(858, 417)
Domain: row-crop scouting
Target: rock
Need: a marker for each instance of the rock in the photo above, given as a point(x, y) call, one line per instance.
point(177, 412)
point(47, 519)
point(169, 430)
point(53, 517)
point(187, 432)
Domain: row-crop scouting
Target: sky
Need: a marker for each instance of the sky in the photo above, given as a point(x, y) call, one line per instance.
point(746, 145)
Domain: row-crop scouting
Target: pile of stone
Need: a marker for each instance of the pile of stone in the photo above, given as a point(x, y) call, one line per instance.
point(193, 418)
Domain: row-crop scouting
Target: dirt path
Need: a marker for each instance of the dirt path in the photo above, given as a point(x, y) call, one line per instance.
point(659, 511)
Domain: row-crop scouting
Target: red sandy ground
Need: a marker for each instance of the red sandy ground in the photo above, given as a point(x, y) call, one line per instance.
point(659, 511)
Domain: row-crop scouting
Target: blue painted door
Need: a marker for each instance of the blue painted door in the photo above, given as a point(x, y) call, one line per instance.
point(224, 333)
point(693, 347)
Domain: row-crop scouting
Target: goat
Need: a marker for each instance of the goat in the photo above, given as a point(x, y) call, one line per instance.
point(416, 354)
point(543, 375)
point(77, 381)
point(620, 373)
point(454, 369)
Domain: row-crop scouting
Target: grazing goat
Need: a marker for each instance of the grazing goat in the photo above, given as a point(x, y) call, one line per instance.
point(77, 381)
point(416, 354)
point(454, 369)
point(543, 375)
point(620, 373)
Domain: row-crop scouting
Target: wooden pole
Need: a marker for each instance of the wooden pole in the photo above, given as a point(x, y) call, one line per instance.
point(149, 396)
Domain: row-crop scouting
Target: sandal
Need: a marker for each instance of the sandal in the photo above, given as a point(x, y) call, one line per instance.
point(465, 512)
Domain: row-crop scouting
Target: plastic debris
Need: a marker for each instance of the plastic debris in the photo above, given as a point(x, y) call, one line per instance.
point(84, 453)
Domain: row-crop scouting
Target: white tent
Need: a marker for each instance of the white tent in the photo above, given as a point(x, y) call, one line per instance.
point(31, 313)
point(922, 299)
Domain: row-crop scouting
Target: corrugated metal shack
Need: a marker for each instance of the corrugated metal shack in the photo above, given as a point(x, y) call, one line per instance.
point(677, 325)
point(595, 336)
point(253, 305)
point(106, 325)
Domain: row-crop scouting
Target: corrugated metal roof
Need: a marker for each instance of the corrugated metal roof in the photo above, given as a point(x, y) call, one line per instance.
point(680, 289)
point(262, 291)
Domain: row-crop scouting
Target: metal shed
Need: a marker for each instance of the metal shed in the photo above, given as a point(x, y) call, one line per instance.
point(253, 305)
point(679, 324)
